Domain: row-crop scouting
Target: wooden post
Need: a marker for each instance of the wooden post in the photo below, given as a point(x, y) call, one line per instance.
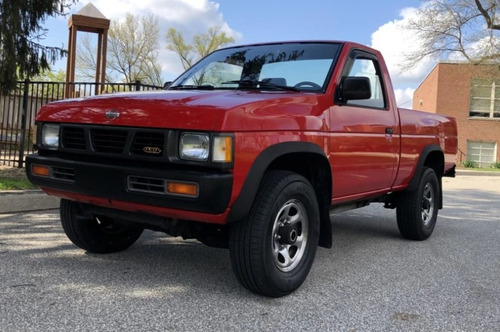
point(88, 19)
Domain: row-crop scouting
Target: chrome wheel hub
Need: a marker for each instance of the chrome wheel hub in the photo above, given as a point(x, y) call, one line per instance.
point(289, 237)
point(428, 204)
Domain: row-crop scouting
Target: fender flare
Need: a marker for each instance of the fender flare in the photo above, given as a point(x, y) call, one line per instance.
point(241, 206)
point(421, 163)
point(420, 166)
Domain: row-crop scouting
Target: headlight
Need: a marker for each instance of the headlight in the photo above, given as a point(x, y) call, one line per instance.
point(50, 135)
point(194, 146)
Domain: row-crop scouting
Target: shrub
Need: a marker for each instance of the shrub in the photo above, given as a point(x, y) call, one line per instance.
point(495, 165)
point(469, 164)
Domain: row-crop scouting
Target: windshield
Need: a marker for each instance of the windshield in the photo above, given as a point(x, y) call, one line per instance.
point(289, 66)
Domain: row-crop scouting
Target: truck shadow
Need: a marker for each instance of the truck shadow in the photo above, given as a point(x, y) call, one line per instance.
point(159, 266)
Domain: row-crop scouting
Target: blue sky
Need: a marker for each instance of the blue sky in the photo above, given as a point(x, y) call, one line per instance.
point(369, 22)
point(324, 19)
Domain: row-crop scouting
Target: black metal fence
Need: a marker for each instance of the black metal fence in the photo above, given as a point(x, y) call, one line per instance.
point(18, 111)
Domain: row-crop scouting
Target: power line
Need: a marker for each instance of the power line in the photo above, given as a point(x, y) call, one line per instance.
point(408, 101)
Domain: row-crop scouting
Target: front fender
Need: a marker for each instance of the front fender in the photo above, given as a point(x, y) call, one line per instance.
point(243, 203)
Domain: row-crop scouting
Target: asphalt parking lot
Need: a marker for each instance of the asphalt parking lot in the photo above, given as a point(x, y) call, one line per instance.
point(371, 280)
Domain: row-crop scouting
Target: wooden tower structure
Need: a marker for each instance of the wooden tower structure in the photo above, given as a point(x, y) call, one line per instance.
point(88, 19)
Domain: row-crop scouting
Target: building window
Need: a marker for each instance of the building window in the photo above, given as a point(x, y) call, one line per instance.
point(485, 99)
point(482, 153)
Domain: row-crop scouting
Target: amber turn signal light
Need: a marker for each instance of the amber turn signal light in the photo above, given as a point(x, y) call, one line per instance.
point(40, 170)
point(223, 149)
point(182, 188)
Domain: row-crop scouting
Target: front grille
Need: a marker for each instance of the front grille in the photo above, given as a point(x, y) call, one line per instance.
point(73, 138)
point(116, 142)
point(148, 144)
point(143, 184)
point(108, 140)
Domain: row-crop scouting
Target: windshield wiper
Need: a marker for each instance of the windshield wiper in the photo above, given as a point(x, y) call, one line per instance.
point(262, 84)
point(192, 87)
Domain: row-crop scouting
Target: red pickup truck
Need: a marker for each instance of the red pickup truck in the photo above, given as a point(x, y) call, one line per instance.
point(253, 148)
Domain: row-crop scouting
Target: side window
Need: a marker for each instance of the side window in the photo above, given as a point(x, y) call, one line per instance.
point(363, 67)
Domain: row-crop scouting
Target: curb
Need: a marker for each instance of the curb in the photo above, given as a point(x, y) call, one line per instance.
point(466, 172)
point(14, 201)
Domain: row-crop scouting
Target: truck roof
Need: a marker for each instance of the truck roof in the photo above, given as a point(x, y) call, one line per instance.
point(343, 42)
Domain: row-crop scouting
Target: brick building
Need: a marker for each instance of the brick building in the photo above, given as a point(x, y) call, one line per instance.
point(470, 93)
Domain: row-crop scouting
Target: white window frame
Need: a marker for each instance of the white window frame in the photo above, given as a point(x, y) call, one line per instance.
point(494, 99)
point(481, 162)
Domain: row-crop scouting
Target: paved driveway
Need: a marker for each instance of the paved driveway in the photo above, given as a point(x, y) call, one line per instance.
point(371, 280)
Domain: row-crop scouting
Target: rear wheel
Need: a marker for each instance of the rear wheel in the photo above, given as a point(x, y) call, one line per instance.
point(417, 210)
point(273, 249)
point(95, 234)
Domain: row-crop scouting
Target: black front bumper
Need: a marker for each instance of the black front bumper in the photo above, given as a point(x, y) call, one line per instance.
point(112, 181)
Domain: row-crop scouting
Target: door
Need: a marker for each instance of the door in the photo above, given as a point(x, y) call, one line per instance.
point(364, 137)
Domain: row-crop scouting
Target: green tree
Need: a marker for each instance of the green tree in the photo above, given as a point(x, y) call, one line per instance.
point(202, 45)
point(50, 76)
point(132, 52)
point(469, 29)
point(21, 53)
point(53, 87)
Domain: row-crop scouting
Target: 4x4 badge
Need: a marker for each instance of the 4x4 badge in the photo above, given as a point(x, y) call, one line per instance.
point(111, 115)
point(152, 149)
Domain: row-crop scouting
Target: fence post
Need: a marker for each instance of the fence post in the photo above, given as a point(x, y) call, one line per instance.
point(23, 124)
point(137, 85)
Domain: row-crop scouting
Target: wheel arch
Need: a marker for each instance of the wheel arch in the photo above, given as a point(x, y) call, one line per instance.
point(432, 156)
point(304, 158)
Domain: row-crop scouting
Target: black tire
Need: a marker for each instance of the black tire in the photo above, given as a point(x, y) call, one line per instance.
point(272, 250)
point(417, 210)
point(95, 234)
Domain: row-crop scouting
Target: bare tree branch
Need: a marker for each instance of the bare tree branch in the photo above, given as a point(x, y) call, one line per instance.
point(456, 29)
point(486, 14)
point(132, 52)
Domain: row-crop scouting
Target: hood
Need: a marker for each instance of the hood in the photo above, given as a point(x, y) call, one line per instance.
point(226, 110)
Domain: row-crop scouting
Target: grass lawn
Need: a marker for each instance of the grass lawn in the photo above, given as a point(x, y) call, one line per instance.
point(13, 178)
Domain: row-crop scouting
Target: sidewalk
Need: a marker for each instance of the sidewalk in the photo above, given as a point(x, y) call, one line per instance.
point(467, 172)
point(13, 201)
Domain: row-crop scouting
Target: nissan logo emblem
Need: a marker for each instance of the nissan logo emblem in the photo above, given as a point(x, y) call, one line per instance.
point(111, 115)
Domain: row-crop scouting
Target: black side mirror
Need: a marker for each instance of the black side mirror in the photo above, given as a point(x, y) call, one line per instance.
point(354, 88)
point(166, 85)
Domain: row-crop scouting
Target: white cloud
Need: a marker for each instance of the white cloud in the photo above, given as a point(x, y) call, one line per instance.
point(189, 17)
point(404, 97)
point(395, 42)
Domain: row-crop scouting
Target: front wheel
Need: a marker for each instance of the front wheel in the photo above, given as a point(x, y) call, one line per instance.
point(273, 249)
point(417, 210)
point(95, 234)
